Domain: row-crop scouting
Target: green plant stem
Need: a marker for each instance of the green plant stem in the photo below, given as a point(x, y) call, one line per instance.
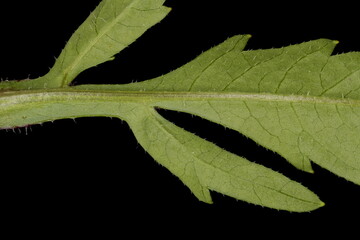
point(26, 107)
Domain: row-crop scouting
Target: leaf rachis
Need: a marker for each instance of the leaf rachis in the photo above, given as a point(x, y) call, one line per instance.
point(298, 101)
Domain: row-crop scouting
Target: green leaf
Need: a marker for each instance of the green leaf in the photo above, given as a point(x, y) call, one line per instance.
point(113, 26)
point(110, 28)
point(298, 101)
point(203, 166)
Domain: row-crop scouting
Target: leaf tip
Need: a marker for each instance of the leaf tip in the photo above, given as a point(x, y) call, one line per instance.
point(336, 42)
point(168, 9)
point(318, 204)
point(310, 171)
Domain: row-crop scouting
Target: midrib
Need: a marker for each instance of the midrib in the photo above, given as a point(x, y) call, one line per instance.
point(72, 95)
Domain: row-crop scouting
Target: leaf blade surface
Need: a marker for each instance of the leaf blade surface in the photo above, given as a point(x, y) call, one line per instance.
point(109, 29)
point(291, 98)
point(299, 101)
point(203, 166)
point(113, 26)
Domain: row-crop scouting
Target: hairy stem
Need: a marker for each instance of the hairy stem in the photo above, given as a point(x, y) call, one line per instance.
point(22, 108)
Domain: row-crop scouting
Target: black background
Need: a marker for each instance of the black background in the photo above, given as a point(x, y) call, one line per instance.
point(91, 171)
